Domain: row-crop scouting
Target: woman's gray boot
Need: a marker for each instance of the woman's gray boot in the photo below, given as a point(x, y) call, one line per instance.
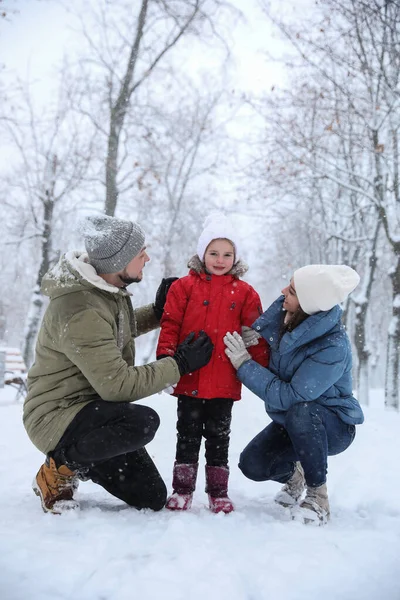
point(314, 509)
point(293, 489)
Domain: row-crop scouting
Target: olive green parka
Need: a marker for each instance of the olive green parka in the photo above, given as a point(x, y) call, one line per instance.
point(85, 350)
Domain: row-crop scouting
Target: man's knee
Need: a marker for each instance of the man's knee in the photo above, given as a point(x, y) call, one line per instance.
point(158, 497)
point(154, 497)
point(152, 424)
point(148, 418)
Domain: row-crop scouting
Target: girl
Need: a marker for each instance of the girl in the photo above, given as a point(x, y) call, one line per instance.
point(211, 298)
point(307, 388)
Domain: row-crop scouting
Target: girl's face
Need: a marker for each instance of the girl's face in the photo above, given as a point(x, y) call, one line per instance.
point(291, 303)
point(219, 257)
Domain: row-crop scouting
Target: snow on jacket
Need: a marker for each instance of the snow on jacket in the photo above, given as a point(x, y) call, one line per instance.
point(85, 349)
point(312, 363)
point(215, 304)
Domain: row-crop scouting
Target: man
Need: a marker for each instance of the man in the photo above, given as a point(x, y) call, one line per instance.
point(78, 409)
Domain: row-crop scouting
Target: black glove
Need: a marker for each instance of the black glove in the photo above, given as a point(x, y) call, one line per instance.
point(192, 355)
point(161, 295)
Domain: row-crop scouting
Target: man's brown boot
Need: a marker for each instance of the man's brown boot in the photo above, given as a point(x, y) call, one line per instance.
point(55, 487)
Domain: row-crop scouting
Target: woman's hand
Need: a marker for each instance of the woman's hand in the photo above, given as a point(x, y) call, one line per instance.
point(249, 336)
point(236, 349)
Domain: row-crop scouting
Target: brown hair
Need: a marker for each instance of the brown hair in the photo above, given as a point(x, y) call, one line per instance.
point(297, 318)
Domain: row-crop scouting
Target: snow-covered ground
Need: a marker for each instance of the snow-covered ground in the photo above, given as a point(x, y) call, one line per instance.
point(109, 551)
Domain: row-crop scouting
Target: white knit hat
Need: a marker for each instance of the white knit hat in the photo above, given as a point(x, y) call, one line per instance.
point(320, 287)
point(217, 226)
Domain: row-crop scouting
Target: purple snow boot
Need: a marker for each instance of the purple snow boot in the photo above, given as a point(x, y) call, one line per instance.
point(183, 485)
point(217, 489)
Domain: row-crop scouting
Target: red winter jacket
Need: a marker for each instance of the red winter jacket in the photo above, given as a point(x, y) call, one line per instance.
point(215, 304)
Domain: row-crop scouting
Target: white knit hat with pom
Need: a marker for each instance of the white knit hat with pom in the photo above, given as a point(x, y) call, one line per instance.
point(321, 287)
point(217, 226)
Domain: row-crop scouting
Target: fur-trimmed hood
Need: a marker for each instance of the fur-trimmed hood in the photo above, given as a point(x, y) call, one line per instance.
point(73, 273)
point(238, 269)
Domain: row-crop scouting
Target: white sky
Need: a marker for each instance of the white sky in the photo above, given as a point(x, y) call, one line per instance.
point(33, 40)
point(38, 33)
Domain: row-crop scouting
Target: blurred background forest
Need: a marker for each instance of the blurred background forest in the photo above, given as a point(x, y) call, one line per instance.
point(283, 115)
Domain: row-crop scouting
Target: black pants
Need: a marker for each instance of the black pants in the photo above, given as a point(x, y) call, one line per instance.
point(199, 418)
point(106, 441)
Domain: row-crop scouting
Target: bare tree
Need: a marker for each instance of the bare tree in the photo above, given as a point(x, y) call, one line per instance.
point(125, 52)
point(349, 61)
point(52, 160)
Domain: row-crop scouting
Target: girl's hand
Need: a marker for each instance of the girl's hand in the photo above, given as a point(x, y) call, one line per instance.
point(249, 336)
point(169, 390)
point(236, 349)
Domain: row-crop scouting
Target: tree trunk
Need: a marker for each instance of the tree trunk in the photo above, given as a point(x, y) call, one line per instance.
point(36, 303)
point(360, 330)
point(118, 113)
point(392, 395)
point(363, 355)
point(112, 171)
point(32, 325)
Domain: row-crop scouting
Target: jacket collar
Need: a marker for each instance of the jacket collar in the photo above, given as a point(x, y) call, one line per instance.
point(79, 262)
point(315, 326)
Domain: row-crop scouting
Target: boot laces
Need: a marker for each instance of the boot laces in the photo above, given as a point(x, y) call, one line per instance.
point(61, 482)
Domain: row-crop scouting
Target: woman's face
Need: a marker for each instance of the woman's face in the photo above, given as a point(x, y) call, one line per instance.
point(219, 257)
point(291, 303)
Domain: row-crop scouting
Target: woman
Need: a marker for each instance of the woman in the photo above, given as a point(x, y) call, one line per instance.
point(307, 388)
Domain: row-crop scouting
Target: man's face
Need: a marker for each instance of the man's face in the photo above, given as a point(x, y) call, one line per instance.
point(133, 271)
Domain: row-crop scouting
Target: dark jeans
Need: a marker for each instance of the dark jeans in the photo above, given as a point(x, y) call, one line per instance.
point(199, 418)
point(106, 441)
point(311, 434)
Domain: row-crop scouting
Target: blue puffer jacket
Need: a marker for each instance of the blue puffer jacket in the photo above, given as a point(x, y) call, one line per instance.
point(311, 363)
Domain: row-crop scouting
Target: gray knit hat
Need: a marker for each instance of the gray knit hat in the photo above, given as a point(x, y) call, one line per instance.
point(111, 243)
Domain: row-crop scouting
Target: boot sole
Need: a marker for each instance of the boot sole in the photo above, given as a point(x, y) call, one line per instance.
point(285, 504)
point(310, 518)
point(221, 510)
point(287, 500)
point(179, 508)
point(216, 509)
